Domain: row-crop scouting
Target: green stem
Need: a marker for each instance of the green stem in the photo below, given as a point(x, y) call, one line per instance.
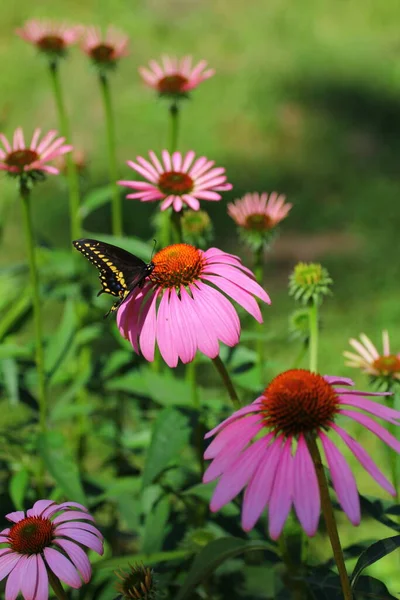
point(259, 273)
point(72, 173)
point(176, 227)
point(25, 196)
point(116, 204)
point(56, 585)
point(329, 517)
point(174, 127)
point(302, 352)
point(313, 343)
point(227, 381)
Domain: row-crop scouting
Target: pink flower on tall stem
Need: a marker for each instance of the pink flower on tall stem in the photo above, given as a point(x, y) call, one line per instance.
point(263, 448)
point(105, 49)
point(370, 361)
point(48, 37)
point(177, 180)
point(259, 212)
point(48, 538)
point(18, 158)
point(174, 77)
point(184, 305)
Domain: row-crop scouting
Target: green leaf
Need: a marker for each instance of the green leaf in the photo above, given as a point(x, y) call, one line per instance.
point(377, 509)
point(323, 584)
point(156, 529)
point(369, 588)
point(95, 199)
point(213, 555)
point(131, 244)
point(17, 311)
point(14, 351)
point(10, 374)
point(122, 562)
point(18, 486)
point(204, 491)
point(170, 434)
point(60, 463)
point(374, 553)
point(61, 340)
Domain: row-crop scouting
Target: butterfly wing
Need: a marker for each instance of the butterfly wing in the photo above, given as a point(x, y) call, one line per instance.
point(119, 271)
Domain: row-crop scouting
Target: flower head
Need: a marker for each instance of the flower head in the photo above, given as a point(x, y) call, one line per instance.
point(263, 448)
point(197, 228)
point(173, 77)
point(257, 216)
point(30, 161)
point(183, 305)
point(136, 584)
point(383, 368)
point(309, 282)
point(105, 50)
point(177, 180)
point(48, 538)
point(50, 38)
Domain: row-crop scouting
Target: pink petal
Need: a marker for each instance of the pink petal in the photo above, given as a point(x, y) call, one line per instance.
point(147, 336)
point(207, 341)
point(167, 160)
point(237, 475)
point(282, 494)
point(14, 581)
point(191, 201)
point(219, 313)
point(7, 563)
point(242, 280)
point(364, 458)
point(342, 479)
point(165, 332)
point(29, 577)
point(16, 516)
point(42, 586)
point(72, 515)
point(333, 380)
point(62, 567)
point(376, 428)
point(40, 506)
point(254, 407)
point(258, 491)
point(238, 294)
point(306, 498)
point(69, 528)
point(229, 434)
point(87, 539)
point(78, 557)
point(185, 339)
point(379, 410)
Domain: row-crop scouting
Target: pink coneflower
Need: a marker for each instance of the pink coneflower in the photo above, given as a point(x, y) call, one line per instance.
point(178, 180)
point(183, 305)
point(49, 538)
point(259, 212)
point(368, 359)
point(18, 158)
point(48, 37)
point(263, 448)
point(105, 49)
point(175, 77)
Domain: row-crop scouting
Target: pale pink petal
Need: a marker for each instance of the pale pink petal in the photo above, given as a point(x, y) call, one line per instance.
point(177, 161)
point(78, 557)
point(165, 334)
point(306, 498)
point(185, 340)
point(207, 341)
point(16, 516)
point(342, 479)
point(238, 294)
point(68, 528)
point(40, 506)
point(258, 491)
point(14, 581)
point(167, 160)
point(147, 336)
point(281, 495)
point(187, 161)
point(7, 563)
point(42, 586)
point(62, 567)
point(217, 312)
point(385, 342)
point(192, 202)
point(29, 578)
point(72, 515)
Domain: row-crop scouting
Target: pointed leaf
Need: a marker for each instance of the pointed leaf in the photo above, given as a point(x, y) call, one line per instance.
point(374, 553)
point(170, 434)
point(18, 486)
point(369, 588)
point(95, 199)
point(213, 555)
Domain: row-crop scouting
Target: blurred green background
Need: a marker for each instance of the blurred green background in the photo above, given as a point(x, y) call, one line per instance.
point(306, 101)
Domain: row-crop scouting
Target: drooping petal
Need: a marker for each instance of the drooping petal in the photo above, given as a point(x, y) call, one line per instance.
point(282, 493)
point(379, 410)
point(342, 479)
point(306, 498)
point(376, 428)
point(42, 586)
point(364, 458)
point(62, 567)
point(237, 475)
point(258, 491)
point(29, 578)
point(7, 563)
point(245, 410)
point(78, 557)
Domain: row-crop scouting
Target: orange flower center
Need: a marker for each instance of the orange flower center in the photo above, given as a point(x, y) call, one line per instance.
point(31, 535)
point(387, 365)
point(172, 84)
point(173, 182)
point(21, 158)
point(258, 222)
point(51, 43)
point(298, 401)
point(177, 265)
point(102, 53)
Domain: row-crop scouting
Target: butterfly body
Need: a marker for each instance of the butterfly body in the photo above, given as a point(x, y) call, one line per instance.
point(120, 272)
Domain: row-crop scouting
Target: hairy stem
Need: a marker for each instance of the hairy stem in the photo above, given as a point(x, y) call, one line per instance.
point(227, 381)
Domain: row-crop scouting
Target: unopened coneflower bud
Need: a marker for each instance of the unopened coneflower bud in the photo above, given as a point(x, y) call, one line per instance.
point(309, 282)
point(136, 584)
point(197, 227)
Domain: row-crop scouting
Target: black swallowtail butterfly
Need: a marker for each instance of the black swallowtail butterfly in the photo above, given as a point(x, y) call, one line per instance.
point(120, 271)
